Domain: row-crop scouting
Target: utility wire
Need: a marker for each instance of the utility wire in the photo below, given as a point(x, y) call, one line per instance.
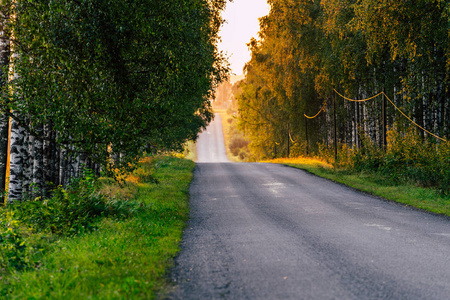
point(321, 110)
point(405, 115)
point(362, 100)
point(438, 137)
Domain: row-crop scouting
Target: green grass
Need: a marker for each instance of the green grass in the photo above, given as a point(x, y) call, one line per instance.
point(373, 183)
point(121, 259)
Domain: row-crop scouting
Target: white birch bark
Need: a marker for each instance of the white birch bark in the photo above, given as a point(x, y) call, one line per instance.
point(62, 167)
point(17, 151)
point(38, 163)
point(28, 157)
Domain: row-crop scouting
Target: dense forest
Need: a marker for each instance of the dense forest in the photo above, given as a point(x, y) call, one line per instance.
point(313, 59)
point(95, 84)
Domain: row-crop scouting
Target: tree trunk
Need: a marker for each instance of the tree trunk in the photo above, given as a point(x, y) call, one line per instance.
point(38, 163)
point(28, 158)
point(4, 117)
point(17, 151)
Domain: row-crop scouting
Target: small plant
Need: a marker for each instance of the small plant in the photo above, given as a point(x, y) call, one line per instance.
point(13, 249)
point(73, 210)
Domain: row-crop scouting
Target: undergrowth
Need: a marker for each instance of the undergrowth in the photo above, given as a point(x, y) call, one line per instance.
point(407, 159)
point(409, 170)
point(97, 238)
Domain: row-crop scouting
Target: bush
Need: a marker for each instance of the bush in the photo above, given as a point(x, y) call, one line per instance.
point(237, 144)
point(73, 210)
point(13, 250)
point(408, 158)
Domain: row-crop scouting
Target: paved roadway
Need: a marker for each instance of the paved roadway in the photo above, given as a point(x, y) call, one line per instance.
point(265, 231)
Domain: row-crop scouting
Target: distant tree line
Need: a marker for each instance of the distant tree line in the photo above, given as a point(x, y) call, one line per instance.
point(96, 83)
point(308, 49)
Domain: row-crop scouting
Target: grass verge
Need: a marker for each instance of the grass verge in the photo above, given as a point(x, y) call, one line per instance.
point(122, 258)
point(374, 184)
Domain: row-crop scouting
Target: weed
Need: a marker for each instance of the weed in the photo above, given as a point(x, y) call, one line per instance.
point(124, 258)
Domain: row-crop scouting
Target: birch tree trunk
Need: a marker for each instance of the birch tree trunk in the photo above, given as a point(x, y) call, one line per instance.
point(16, 173)
point(38, 163)
point(55, 162)
point(28, 157)
point(62, 167)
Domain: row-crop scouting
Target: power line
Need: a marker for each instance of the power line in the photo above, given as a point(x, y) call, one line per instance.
point(321, 110)
point(405, 115)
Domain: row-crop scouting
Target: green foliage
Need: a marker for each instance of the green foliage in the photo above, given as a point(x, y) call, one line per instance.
point(360, 48)
point(368, 157)
point(410, 159)
point(14, 252)
point(308, 48)
point(73, 210)
point(131, 76)
point(407, 159)
point(123, 258)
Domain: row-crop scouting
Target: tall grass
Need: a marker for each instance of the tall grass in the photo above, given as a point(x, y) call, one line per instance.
point(121, 258)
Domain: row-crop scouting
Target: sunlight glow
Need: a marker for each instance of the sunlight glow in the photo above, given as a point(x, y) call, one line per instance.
point(241, 25)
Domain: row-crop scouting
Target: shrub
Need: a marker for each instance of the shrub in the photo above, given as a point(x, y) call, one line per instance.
point(298, 148)
point(14, 252)
point(237, 143)
point(73, 210)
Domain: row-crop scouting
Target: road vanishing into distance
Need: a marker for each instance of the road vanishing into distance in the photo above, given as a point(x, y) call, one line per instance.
point(267, 231)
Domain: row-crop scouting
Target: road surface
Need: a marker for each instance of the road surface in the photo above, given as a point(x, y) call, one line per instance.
point(266, 231)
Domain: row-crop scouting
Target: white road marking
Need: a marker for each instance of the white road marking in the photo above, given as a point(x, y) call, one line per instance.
point(383, 227)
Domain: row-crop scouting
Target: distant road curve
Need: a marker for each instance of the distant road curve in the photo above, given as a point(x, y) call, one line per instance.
point(266, 231)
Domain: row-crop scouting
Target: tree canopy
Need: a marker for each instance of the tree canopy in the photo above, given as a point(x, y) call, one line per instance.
point(306, 49)
point(122, 76)
point(100, 82)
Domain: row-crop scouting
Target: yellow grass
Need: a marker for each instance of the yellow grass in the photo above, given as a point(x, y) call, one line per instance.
point(304, 161)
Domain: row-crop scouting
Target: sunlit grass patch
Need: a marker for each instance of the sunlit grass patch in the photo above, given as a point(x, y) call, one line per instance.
point(125, 258)
point(301, 161)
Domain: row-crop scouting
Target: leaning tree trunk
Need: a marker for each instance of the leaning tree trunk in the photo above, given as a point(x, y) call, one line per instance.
point(4, 127)
point(4, 116)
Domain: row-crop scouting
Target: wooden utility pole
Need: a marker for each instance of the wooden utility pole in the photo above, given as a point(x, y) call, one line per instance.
point(383, 116)
point(335, 131)
point(288, 141)
point(306, 136)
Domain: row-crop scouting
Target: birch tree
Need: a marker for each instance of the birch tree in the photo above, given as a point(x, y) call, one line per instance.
point(93, 75)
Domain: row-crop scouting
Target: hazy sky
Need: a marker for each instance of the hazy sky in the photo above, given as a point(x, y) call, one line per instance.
point(242, 24)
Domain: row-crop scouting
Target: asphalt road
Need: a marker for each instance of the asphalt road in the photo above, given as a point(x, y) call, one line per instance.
point(266, 231)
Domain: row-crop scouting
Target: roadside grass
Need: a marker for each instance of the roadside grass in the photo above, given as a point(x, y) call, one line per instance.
point(122, 258)
point(375, 184)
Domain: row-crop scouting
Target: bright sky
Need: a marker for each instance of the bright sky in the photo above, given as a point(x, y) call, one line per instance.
point(242, 24)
